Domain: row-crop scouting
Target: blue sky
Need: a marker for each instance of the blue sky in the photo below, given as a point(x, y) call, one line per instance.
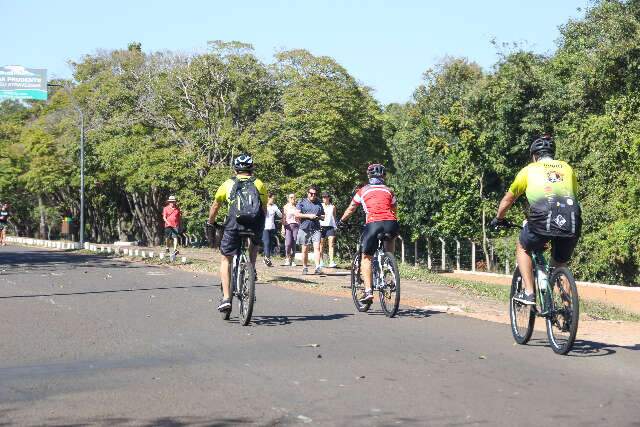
point(385, 44)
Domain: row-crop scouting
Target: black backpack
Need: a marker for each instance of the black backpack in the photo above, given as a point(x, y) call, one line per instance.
point(244, 203)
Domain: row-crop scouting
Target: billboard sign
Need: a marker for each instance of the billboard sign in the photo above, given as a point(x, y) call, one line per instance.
point(18, 82)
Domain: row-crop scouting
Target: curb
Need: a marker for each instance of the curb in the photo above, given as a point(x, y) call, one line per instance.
point(93, 247)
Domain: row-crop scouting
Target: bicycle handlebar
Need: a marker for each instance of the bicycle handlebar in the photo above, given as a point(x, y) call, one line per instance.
point(508, 224)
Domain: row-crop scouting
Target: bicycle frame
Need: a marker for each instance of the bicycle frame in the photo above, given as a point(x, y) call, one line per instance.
point(544, 296)
point(237, 259)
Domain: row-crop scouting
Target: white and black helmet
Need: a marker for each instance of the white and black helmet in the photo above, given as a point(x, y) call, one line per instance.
point(376, 170)
point(243, 163)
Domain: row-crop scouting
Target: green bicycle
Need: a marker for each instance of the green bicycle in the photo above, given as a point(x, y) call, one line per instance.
point(556, 301)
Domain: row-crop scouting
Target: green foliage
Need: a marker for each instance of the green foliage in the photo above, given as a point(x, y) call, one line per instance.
point(160, 123)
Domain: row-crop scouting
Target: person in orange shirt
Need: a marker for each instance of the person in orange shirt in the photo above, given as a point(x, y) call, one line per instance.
point(171, 215)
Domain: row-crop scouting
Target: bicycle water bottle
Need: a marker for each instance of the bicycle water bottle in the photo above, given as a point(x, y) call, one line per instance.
point(543, 278)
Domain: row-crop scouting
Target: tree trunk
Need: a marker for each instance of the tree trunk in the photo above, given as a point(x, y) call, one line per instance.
point(485, 240)
point(43, 220)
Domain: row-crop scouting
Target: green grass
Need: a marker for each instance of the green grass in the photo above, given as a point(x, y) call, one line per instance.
point(467, 287)
point(602, 311)
point(596, 310)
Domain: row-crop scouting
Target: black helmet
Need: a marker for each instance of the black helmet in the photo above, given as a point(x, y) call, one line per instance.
point(243, 163)
point(375, 170)
point(543, 145)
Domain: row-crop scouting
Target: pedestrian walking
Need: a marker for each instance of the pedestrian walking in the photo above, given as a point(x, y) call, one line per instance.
point(290, 225)
point(269, 231)
point(310, 213)
point(4, 222)
point(328, 229)
point(172, 217)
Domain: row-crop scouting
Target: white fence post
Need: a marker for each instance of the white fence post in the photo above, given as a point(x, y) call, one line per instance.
point(429, 253)
point(473, 255)
point(457, 254)
point(415, 253)
point(444, 254)
point(401, 249)
point(506, 266)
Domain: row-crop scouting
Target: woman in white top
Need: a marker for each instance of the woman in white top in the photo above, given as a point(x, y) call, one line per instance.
point(290, 226)
point(270, 227)
point(328, 227)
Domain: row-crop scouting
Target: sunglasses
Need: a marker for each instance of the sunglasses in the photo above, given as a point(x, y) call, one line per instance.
point(312, 193)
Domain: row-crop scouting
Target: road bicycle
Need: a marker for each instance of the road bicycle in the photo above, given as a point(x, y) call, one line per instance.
point(556, 301)
point(386, 278)
point(243, 277)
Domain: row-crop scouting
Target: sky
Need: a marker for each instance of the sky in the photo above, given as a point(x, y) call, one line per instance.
point(386, 45)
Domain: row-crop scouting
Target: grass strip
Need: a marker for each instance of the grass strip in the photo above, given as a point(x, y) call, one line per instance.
point(594, 309)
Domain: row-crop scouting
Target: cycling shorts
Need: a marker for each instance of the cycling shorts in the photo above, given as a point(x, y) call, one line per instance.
point(231, 239)
point(561, 247)
point(370, 234)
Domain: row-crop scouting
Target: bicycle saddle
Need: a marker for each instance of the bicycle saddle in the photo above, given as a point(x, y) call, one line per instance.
point(384, 236)
point(246, 233)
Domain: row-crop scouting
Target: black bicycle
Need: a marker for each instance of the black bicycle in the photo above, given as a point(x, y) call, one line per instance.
point(556, 301)
point(243, 278)
point(386, 278)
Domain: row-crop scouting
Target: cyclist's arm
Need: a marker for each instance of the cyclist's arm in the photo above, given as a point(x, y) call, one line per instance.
point(517, 189)
point(506, 202)
point(353, 206)
point(213, 211)
point(219, 199)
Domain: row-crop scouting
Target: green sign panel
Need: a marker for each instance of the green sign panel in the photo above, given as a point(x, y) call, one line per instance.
point(17, 82)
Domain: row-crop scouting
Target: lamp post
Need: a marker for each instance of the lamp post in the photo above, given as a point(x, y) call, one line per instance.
point(81, 114)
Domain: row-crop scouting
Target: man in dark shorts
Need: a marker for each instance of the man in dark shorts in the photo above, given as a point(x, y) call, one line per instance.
point(380, 205)
point(172, 216)
point(310, 212)
point(230, 243)
point(554, 212)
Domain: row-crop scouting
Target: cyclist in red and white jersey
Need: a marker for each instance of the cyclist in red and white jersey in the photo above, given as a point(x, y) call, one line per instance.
point(380, 205)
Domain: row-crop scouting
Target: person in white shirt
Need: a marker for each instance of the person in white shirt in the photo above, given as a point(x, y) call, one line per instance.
point(328, 227)
point(290, 225)
point(270, 228)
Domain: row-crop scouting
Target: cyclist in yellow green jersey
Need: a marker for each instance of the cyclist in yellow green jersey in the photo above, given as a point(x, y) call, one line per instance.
point(554, 213)
point(247, 200)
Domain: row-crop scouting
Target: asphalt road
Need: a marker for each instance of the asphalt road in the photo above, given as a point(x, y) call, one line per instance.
point(86, 340)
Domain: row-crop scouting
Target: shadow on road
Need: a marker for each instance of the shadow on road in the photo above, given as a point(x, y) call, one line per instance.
point(410, 312)
point(40, 261)
point(287, 320)
point(289, 279)
point(108, 291)
point(585, 348)
point(155, 422)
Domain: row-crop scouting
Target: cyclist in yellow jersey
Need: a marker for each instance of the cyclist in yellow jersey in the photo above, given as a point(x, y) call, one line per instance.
point(230, 243)
point(554, 212)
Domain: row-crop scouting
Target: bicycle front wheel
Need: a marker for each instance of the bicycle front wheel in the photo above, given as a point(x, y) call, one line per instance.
point(357, 284)
point(246, 292)
point(564, 312)
point(390, 291)
point(521, 315)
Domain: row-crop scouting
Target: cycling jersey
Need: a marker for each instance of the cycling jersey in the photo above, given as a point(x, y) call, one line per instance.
point(224, 191)
point(230, 242)
point(378, 202)
point(550, 186)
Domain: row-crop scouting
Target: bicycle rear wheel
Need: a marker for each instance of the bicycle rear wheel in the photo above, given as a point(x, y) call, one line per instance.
point(521, 315)
point(246, 291)
point(564, 312)
point(357, 284)
point(390, 292)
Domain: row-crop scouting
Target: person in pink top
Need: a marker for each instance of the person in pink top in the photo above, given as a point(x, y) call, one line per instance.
point(171, 215)
point(290, 225)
